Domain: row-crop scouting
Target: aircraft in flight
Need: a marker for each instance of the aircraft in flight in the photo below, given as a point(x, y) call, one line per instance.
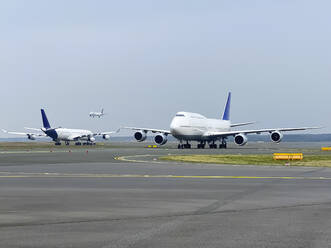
point(63, 134)
point(97, 114)
point(186, 127)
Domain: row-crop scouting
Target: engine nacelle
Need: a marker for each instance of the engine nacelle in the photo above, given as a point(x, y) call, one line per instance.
point(140, 136)
point(160, 139)
point(92, 139)
point(106, 136)
point(276, 136)
point(240, 139)
point(31, 137)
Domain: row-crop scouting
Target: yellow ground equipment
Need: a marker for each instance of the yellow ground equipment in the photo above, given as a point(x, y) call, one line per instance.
point(326, 148)
point(288, 156)
point(152, 146)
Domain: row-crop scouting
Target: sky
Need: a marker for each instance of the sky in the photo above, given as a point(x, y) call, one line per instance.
point(143, 61)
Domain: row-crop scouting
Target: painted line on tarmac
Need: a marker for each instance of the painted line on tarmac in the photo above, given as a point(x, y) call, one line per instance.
point(31, 152)
point(73, 175)
point(23, 152)
point(129, 159)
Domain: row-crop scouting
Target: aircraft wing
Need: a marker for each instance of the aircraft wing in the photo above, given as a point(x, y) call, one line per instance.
point(26, 134)
point(77, 137)
point(32, 128)
point(256, 131)
point(105, 133)
point(148, 130)
point(242, 124)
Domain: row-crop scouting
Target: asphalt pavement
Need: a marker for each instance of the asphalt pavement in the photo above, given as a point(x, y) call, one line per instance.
point(94, 199)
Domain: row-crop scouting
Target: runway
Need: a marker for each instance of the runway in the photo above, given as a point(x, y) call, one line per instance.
point(94, 199)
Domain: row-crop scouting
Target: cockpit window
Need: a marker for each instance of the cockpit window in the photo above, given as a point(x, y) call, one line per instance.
point(180, 115)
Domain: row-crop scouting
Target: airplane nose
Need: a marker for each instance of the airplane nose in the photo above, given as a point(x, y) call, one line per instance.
point(174, 126)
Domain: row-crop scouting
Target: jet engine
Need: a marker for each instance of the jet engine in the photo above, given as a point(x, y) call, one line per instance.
point(240, 139)
point(92, 139)
point(161, 139)
point(31, 137)
point(140, 136)
point(276, 136)
point(106, 136)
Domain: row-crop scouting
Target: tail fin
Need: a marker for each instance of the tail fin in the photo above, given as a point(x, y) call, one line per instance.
point(45, 120)
point(226, 114)
point(102, 111)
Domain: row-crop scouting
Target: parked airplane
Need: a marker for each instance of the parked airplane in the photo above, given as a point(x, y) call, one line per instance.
point(97, 114)
point(186, 126)
point(63, 134)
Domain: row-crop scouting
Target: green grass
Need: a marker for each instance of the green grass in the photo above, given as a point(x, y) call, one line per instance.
point(261, 159)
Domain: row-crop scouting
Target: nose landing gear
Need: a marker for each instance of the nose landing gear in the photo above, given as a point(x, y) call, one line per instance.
point(184, 146)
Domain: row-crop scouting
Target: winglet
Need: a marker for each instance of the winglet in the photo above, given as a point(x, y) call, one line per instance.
point(45, 120)
point(226, 114)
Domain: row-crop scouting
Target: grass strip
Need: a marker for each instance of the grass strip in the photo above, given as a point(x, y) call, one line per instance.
point(259, 159)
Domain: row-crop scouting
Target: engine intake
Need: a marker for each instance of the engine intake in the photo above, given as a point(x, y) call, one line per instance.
point(92, 139)
point(276, 136)
point(140, 136)
point(160, 139)
point(240, 139)
point(31, 137)
point(106, 136)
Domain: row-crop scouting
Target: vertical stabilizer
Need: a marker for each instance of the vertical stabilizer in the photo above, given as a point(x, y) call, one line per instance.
point(226, 114)
point(102, 111)
point(45, 120)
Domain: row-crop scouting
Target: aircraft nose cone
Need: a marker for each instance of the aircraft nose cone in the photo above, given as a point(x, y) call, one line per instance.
point(174, 127)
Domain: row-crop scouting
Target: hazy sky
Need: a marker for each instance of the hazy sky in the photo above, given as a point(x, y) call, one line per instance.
point(145, 60)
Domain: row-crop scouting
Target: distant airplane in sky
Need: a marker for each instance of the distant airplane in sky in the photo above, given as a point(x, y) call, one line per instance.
point(186, 126)
point(97, 114)
point(63, 134)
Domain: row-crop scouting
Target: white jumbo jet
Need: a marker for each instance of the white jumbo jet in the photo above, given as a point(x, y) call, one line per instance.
point(97, 114)
point(186, 126)
point(63, 134)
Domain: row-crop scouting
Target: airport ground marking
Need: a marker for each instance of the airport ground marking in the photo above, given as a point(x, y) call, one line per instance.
point(34, 151)
point(82, 175)
point(129, 159)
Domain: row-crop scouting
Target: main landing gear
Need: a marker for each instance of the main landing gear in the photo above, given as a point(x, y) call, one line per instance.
point(223, 145)
point(202, 145)
point(89, 143)
point(213, 145)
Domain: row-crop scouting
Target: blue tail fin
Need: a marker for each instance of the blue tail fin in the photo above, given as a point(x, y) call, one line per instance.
point(226, 114)
point(45, 121)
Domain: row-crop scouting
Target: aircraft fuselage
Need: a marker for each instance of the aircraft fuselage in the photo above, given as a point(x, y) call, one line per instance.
point(192, 126)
